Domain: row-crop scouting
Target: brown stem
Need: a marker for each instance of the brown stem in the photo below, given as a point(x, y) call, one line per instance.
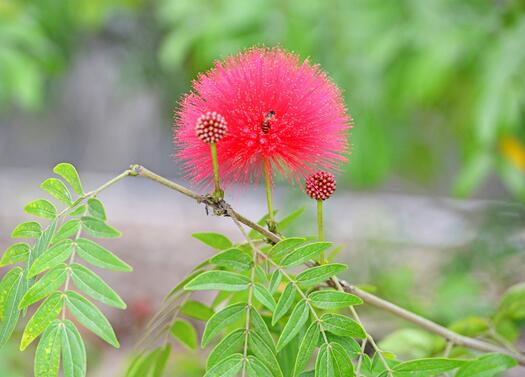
point(222, 208)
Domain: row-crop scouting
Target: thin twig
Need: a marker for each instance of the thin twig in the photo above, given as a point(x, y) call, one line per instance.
point(360, 359)
point(220, 208)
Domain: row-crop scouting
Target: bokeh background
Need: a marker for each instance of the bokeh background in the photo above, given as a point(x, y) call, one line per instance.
point(429, 210)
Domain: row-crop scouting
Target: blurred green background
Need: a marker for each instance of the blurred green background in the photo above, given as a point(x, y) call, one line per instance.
point(435, 87)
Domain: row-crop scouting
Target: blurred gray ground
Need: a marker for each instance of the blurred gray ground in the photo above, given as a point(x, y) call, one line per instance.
point(157, 223)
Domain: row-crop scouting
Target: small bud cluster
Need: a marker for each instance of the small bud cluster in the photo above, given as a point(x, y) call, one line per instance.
point(211, 127)
point(320, 185)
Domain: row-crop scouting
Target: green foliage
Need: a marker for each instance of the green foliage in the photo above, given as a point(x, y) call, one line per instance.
point(45, 271)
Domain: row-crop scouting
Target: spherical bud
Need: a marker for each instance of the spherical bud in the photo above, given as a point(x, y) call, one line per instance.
point(211, 127)
point(320, 185)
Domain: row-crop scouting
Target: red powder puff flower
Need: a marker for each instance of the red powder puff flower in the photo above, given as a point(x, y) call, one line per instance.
point(282, 113)
point(320, 185)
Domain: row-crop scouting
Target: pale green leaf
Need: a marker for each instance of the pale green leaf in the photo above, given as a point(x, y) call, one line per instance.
point(264, 353)
point(30, 229)
point(68, 229)
point(41, 208)
point(57, 254)
point(430, 367)
point(307, 348)
point(43, 317)
point(230, 344)
point(98, 228)
point(8, 282)
point(162, 361)
point(304, 253)
point(295, 323)
point(234, 259)
point(12, 288)
point(96, 209)
point(70, 175)
point(197, 310)
point(216, 240)
point(57, 189)
point(48, 284)
point(74, 358)
point(342, 364)
point(319, 274)
point(220, 320)
point(284, 304)
point(259, 326)
point(264, 297)
point(218, 280)
point(487, 366)
point(98, 256)
point(91, 317)
point(47, 356)
point(283, 247)
point(185, 333)
point(228, 367)
point(91, 284)
point(256, 368)
point(275, 281)
point(16, 253)
point(342, 325)
point(331, 299)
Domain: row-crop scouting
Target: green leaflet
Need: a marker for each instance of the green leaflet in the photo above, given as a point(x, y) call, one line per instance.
point(12, 288)
point(74, 359)
point(30, 229)
point(486, 366)
point(70, 175)
point(98, 256)
point(304, 254)
point(91, 284)
point(143, 364)
point(342, 364)
point(91, 317)
point(264, 297)
point(78, 211)
point(98, 228)
point(307, 348)
point(216, 240)
point(52, 257)
point(41, 208)
point(48, 284)
point(57, 189)
point(342, 325)
point(234, 259)
point(230, 344)
point(43, 317)
point(16, 253)
point(316, 275)
point(431, 367)
point(185, 333)
point(162, 360)
point(42, 243)
point(197, 310)
point(284, 304)
point(323, 363)
point(226, 368)
point(96, 209)
point(332, 299)
point(68, 229)
point(218, 280)
point(259, 326)
point(283, 247)
point(264, 353)
point(220, 320)
point(275, 281)
point(295, 323)
point(47, 356)
point(256, 368)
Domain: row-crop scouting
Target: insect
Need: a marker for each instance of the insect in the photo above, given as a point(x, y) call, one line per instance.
point(266, 122)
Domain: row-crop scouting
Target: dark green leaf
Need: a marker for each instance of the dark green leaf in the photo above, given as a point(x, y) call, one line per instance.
point(284, 304)
point(41, 208)
point(98, 228)
point(91, 284)
point(51, 258)
point(295, 323)
point(74, 357)
point(259, 326)
point(220, 320)
point(98, 256)
point(57, 189)
point(331, 299)
point(216, 240)
point(307, 348)
point(255, 368)
point(91, 317)
point(264, 353)
point(304, 253)
point(185, 333)
point(341, 362)
point(30, 229)
point(68, 229)
point(218, 280)
point(16, 253)
point(429, 367)
point(48, 284)
point(283, 247)
point(316, 275)
point(70, 175)
point(47, 356)
point(43, 317)
point(342, 325)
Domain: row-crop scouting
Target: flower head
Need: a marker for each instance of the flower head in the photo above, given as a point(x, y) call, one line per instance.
point(320, 185)
point(282, 113)
point(211, 127)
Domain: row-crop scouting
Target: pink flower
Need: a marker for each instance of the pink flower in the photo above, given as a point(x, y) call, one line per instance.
point(280, 112)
